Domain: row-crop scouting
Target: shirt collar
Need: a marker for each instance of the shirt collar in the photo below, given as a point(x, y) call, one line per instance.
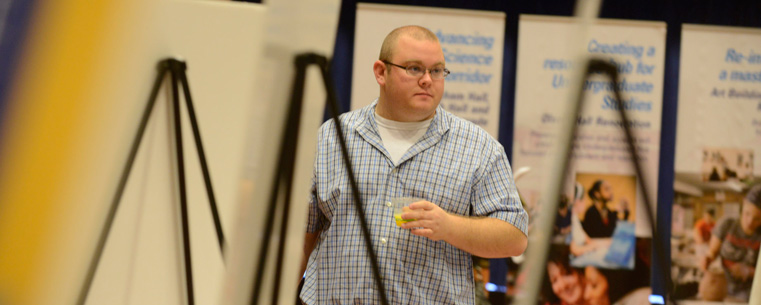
point(439, 125)
point(367, 128)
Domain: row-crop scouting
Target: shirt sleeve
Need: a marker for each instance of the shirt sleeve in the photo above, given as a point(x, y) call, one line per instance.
point(495, 194)
point(315, 219)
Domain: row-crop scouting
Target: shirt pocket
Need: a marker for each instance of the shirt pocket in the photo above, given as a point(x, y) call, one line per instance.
point(448, 185)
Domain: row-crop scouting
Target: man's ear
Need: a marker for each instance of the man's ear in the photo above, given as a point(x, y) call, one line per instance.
point(379, 69)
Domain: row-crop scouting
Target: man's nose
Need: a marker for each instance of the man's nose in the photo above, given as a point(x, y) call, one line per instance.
point(426, 80)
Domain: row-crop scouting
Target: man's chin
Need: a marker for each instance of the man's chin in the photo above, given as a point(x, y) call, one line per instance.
point(424, 101)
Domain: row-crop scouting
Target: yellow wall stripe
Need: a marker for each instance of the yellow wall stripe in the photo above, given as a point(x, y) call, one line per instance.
point(45, 107)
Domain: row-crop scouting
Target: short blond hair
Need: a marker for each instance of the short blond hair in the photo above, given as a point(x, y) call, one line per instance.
point(413, 31)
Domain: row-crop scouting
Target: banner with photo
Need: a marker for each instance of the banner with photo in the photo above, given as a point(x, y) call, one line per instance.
point(718, 137)
point(600, 228)
point(472, 42)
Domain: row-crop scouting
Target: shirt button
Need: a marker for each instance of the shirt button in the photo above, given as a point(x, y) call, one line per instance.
point(389, 204)
point(383, 240)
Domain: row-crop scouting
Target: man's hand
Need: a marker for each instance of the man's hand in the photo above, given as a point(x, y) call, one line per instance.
point(486, 237)
point(430, 220)
point(714, 245)
point(705, 262)
point(623, 205)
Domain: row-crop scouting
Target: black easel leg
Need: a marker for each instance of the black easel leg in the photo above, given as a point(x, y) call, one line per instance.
point(358, 205)
point(603, 66)
point(202, 158)
point(177, 69)
point(284, 173)
point(163, 68)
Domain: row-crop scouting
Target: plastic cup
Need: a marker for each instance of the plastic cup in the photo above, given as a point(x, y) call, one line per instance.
point(399, 204)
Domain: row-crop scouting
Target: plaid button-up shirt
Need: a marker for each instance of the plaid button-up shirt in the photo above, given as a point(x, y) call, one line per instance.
point(456, 165)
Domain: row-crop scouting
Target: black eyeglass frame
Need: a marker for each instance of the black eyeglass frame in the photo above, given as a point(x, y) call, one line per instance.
point(425, 70)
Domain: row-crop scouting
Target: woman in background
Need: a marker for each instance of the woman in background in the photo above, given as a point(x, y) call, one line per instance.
point(566, 282)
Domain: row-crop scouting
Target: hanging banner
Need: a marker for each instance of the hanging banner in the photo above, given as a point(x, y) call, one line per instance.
point(472, 42)
point(600, 148)
point(718, 138)
point(601, 233)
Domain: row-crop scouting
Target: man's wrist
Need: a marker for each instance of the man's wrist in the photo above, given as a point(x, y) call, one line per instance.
point(450, 222)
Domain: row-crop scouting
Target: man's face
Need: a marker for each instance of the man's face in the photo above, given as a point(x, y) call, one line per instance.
point(409, 98)
point(750, 219)
point(707, 217)
point(606, 191)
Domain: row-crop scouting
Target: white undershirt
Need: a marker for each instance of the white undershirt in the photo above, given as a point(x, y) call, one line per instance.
point(398, 137)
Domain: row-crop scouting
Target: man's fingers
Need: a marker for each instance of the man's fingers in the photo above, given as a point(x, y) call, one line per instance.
point(422, 232)
point(418, 223)
point(415, 214)
point(424, 205)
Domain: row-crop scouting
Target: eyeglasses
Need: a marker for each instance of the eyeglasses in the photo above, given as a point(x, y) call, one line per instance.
point(416, 70)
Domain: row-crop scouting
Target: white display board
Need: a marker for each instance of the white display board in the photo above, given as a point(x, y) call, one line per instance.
point(545, 71)
point(222, 43)
point(284, 39)
point(240, 70)
point(472, 42)
point(719, 120)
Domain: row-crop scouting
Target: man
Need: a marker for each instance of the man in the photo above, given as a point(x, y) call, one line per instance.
point(737, 242)
point(562, 220)
point(406, 145)
point(599, 220)
point(702, 231)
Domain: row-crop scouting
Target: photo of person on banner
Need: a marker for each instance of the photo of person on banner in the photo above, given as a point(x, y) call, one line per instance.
point(606, 234)
point(581, 242)
point(568, 285)
point(734, 245)
point(599, 219)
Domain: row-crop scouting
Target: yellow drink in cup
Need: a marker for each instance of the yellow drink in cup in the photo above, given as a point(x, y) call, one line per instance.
point(399, 203)
point(399, 220)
